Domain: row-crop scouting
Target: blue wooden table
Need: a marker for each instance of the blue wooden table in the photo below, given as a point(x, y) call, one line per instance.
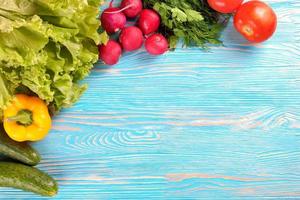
point(222, 124)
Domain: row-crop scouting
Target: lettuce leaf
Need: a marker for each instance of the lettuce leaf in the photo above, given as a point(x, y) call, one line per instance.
point(5, 95)
point(47, 47)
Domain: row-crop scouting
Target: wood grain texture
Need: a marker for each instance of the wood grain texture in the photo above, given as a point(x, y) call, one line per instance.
point(222, 124)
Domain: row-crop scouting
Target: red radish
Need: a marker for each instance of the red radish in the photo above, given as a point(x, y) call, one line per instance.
point(110, 53)
point(149, 21)
point(112, 19)
point(133, 7)
point(156, 44)
point(131, 38)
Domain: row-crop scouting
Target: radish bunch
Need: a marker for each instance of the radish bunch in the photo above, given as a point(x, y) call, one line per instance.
point(131, 38)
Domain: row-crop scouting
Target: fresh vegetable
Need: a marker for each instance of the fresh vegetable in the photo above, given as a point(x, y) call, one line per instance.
point(26, 119)
point(193, 21)
point(27, 178)
point(46, 48)
point(225, 6)
point(110, 53)
point(149, 21)
point(132, 8)
point(256, 21)
point(113, 19)
point(156, 44)
point(22, 152)
point(131, 38)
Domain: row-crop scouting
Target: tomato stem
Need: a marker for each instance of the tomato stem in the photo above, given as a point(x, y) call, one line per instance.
point(248, 30)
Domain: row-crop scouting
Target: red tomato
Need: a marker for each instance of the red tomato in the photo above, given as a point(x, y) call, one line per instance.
point(256, 21)
point(225, 6)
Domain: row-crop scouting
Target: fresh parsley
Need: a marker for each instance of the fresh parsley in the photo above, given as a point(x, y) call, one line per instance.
point(193, 21)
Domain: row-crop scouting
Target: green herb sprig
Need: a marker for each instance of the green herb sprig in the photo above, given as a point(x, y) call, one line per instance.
point(193, 21)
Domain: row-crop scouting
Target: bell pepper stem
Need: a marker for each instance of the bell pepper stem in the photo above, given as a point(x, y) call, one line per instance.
point(23, 117)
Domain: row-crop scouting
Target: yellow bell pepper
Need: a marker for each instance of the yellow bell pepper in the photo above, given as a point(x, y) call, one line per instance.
point(26, 119)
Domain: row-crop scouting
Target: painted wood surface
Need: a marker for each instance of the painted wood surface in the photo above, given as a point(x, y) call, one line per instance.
point(222, 124)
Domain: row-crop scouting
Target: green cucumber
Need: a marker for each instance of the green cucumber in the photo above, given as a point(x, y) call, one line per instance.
point(20, 151)
point(27, 178)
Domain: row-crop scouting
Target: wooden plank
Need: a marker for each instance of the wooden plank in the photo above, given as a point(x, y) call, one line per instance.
point(191, 124)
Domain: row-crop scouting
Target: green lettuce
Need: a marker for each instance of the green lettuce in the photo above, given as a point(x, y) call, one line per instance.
point(47, 47)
